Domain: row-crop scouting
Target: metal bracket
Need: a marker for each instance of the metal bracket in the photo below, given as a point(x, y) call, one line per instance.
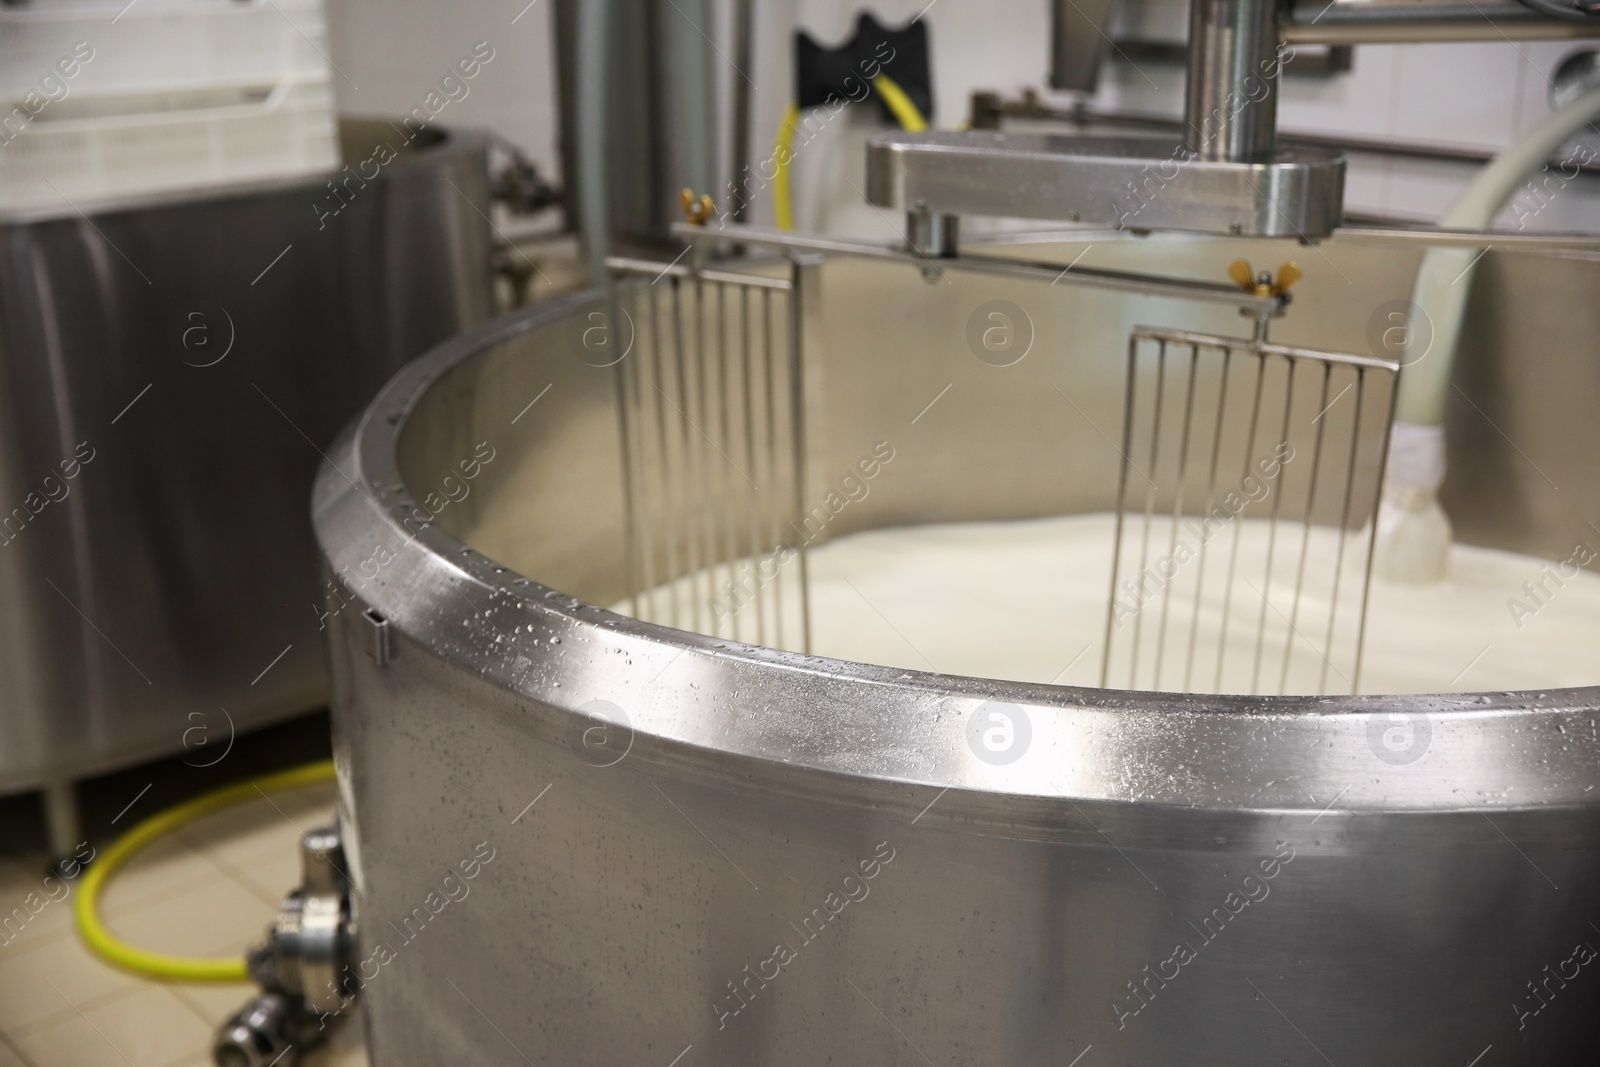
point(1131, 183)
point(1031, 270)
point(380, 645)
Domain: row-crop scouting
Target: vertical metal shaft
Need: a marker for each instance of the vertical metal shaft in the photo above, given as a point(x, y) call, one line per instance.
point(1142, 578)
point(1344, 529)
point(1372, 539)
point(62, 820)
point(632, 491)
point(753, 509)
point(1305, 532)
point(698, 445)
point(1122, 501)
point(932, 235)
point(1206, 518)
point(1177, 505)
point(1233, 553)
point(1231, 101)
point(805, 327)
point(1275, 485)
point(596, 22)
point(772, 503)
point(670, 485)
point(744, 57)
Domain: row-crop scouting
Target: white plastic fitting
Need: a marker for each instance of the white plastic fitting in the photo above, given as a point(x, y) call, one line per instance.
point(1413, 532)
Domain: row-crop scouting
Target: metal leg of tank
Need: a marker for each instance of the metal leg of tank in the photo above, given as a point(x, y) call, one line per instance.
point(63, 822)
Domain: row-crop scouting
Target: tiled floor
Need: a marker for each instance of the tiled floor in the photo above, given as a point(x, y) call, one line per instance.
point(209, 890)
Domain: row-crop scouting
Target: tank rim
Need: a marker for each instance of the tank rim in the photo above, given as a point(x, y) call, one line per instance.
point(1499, 751)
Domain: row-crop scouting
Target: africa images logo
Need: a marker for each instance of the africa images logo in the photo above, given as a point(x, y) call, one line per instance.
point(999, 734)
point(1399, 739)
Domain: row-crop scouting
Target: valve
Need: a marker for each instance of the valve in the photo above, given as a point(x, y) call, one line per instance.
point(298, 965)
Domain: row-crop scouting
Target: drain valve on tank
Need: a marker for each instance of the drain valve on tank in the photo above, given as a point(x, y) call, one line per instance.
point(297, 967)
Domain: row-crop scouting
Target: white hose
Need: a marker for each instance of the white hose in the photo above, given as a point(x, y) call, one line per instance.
point(1446, 273)
point(1413, 531)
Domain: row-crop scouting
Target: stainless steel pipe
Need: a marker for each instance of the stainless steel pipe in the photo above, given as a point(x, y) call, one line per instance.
point(1365, 22)
point(1231, 104)
point(1230, 108)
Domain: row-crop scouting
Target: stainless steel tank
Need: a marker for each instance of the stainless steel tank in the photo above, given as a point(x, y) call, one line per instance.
point(170, 370)
point(579, 837)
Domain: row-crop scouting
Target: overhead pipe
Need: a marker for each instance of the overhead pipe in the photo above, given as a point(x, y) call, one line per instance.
point(1394, 21)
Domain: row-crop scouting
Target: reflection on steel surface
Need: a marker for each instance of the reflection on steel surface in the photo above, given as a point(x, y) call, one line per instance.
point(171, 370)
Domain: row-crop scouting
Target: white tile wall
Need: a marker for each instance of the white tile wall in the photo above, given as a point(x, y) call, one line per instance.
point(391, 53)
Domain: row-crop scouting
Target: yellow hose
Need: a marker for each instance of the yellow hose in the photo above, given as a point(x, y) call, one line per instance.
point(781, 209)
point(119, 953)
point(899, 104)
point(894, 97)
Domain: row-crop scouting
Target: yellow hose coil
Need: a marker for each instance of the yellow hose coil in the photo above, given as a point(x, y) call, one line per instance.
point(86, 911)
point(894, 97)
